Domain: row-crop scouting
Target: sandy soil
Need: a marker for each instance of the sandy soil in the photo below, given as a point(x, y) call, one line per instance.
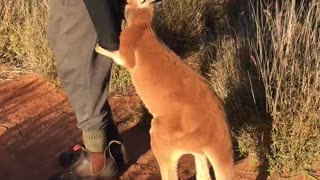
point(37, 124)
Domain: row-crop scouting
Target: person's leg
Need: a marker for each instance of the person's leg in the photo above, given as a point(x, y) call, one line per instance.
point(84, 75)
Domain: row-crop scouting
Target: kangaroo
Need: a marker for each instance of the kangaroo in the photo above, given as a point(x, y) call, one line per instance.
point(188, 118)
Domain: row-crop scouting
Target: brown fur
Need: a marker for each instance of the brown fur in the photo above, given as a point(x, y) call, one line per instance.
point(188, 117)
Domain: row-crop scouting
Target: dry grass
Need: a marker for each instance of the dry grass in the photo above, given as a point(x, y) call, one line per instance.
point(23, 35)
point(185, 25)
point(287, 53)
point(235, 79)
point(261, 58)
point(120, 81)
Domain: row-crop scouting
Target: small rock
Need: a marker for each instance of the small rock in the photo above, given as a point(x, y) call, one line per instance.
point(2, 130)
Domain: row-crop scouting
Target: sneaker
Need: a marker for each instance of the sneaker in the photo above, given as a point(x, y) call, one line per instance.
point(115, 154)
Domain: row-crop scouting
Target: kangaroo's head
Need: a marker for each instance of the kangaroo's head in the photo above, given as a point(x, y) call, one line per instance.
point(139, 11)
point(139, 15)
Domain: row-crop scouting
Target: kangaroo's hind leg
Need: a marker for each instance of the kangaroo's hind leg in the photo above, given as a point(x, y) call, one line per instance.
point(166, 157)
point(202, 167)
point(168, 164)
point(220, 156)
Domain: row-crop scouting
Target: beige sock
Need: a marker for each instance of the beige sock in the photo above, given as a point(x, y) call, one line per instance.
point(95, 141)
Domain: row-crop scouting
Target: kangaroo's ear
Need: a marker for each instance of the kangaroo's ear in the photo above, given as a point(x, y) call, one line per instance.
point(141, 3)
point(148, 2)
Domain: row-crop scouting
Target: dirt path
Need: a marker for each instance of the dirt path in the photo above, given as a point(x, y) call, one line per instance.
point(37, 124)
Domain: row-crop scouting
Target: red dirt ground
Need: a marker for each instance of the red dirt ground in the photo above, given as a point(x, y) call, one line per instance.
point(37, 124)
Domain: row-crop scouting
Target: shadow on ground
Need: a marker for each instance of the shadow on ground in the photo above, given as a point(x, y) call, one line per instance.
point(38, 124)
